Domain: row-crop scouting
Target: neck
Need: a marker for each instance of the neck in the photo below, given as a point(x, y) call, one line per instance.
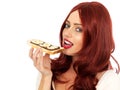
point(74, 59)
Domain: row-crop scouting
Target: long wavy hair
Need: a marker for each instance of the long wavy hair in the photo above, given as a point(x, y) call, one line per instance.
point(98, 44)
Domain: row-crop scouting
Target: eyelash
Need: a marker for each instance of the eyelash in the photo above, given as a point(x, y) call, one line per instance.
point(66, 26)
point(78, 29)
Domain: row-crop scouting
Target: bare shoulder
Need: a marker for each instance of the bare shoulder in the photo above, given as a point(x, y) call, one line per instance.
point(110, 79)
point(108, 74)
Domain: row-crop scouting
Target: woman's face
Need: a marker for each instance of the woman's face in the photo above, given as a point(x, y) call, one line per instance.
point(72, 34)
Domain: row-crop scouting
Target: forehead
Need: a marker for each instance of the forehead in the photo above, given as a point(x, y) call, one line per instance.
point(74, 17)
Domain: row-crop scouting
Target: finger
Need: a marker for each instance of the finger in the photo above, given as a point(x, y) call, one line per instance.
point(40, 58)
point(31, 52)
point(35, 56)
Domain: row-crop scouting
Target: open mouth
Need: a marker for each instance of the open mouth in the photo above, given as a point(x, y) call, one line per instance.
point(67, 44)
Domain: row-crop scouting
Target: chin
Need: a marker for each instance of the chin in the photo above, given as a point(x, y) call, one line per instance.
point(68, 53)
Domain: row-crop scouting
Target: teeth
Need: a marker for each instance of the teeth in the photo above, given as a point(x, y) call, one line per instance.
point(66, 42)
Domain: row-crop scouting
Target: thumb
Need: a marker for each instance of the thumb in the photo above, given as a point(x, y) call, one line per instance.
point(47, 56)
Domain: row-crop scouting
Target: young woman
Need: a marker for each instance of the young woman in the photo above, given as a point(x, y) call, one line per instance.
point(86, 35)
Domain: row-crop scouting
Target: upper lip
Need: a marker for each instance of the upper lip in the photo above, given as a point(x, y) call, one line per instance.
point(66, 41)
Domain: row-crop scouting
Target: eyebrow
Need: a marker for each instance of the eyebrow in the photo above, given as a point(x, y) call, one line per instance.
point(74, 23)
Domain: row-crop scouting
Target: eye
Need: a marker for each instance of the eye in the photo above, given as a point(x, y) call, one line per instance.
point(66, 26)
point(78, 29)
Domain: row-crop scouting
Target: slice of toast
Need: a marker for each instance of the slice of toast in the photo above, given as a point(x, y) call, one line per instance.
point(46, 47)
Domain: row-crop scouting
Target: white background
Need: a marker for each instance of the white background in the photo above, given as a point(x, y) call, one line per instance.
point(21, 20)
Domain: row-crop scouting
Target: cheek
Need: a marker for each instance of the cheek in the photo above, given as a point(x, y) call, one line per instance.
point(79, 41)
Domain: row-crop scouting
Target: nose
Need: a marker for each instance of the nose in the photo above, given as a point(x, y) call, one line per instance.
point(67, 32)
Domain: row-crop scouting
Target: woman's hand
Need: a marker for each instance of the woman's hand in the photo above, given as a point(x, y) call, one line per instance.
point(42, 63)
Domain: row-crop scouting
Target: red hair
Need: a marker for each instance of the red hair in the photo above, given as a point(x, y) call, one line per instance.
point(98, 44)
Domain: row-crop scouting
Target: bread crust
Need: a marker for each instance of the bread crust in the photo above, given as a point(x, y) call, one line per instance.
point(46, 47)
